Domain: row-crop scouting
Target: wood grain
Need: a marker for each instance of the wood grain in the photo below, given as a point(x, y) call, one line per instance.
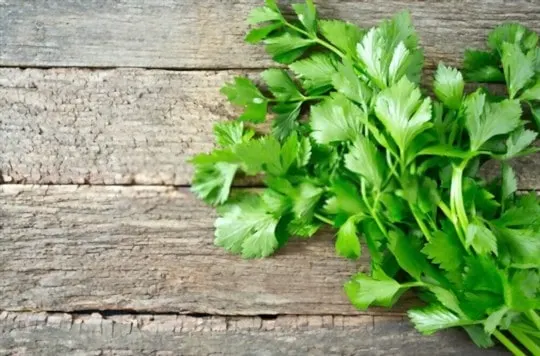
point(124, 126)
point(209, 34)
point(58, 334)
point(68, 248)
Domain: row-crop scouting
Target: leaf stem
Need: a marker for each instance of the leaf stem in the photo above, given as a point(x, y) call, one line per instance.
point(446, 211)
point(534, 317)
point(300, 100)
point(457, 204)
point(508, 344)
point(373, 210)
point(414, 284)
point(324, 219)
point(421, 224)
point(315, 38)
point(526, 341)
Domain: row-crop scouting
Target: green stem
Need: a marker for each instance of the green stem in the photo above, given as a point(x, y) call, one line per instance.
point(446, 211)
point(324, 219)
point(373, 211)
point(315, 39)
point(300, 100)
point(414, 284)
point(421, 224)
point(508, 344)
point(456, 191)
point(534, 317)
point(526, 341)
point(456, 200)
point(453, 218)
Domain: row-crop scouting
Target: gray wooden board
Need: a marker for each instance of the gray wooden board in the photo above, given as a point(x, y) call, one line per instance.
point(58, 334)
point(123, 126)
point(209, 34)
point(150, 248)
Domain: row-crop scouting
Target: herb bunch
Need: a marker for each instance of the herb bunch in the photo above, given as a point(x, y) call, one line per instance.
point(383, 163)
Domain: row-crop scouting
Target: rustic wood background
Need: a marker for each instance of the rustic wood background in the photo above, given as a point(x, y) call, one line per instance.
point(103, 250)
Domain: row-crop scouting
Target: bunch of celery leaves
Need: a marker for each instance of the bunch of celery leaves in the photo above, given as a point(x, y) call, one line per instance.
point(356, 144)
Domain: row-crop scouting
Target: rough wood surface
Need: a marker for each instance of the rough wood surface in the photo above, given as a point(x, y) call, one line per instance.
point(125, 126)
point(151, 249)
point(209, 34)
point(58, 334)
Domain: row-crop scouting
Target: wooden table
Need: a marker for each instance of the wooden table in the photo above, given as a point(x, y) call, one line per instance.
point(103, 250)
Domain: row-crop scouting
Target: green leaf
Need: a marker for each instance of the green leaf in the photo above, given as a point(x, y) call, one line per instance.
point(448, 86)
point(520, 246)
point(247, 228)
point(445, 249)
point(364, 291)
point(494, 319)
point(447, 298)
point(263, 14)
point(364, 159)
point(304, 152)
point(229, 133)
point(518, 68)
point(289, 149)
point(509, 181)
point(479, 336)
point(264, 154)
point(524, 290)
point(533, 93)
point(390, 52)
point(347, 243)
point(518, 141)
point(346, 199)
point(307, 14)
point(216, 156)
point(483, 275)
point(256, 35)
point(287, 47)
point(272, 4)
point(244, 93)
point(434, 318)
point(486, 120)
point(277, 203)
point(396, 207)
point(305, 200)
point(479, 66)
point(336, 119)
point(443, 150)
point(341, 34)
point(281, 85)
point(482, 240)
point(286, 120)
point(301, 228)
point(347, 83)
point(407, 252)
point(315, 72)
point(403, 112)
point(212, 182)
point(512, 33)
point(525, 213)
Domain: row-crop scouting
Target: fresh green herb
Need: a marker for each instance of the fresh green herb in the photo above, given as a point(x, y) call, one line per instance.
point(384, 164)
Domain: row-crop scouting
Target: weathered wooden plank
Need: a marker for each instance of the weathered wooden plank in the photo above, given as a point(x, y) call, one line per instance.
point(67, 334)
point(151, 249)
point(209, 34)
point(106, 126)
point(63, 126)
